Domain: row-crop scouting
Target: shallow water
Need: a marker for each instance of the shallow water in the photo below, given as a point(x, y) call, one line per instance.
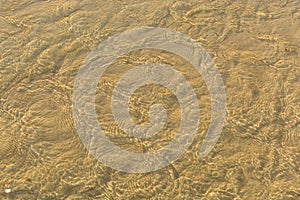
point(255, 46)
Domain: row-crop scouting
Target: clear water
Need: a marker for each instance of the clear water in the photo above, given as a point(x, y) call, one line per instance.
point(255, 46)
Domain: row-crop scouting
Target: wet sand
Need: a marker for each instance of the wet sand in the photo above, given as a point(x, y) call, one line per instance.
point(255, 46)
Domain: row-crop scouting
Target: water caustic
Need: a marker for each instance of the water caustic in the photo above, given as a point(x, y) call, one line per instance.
point(255, 48)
